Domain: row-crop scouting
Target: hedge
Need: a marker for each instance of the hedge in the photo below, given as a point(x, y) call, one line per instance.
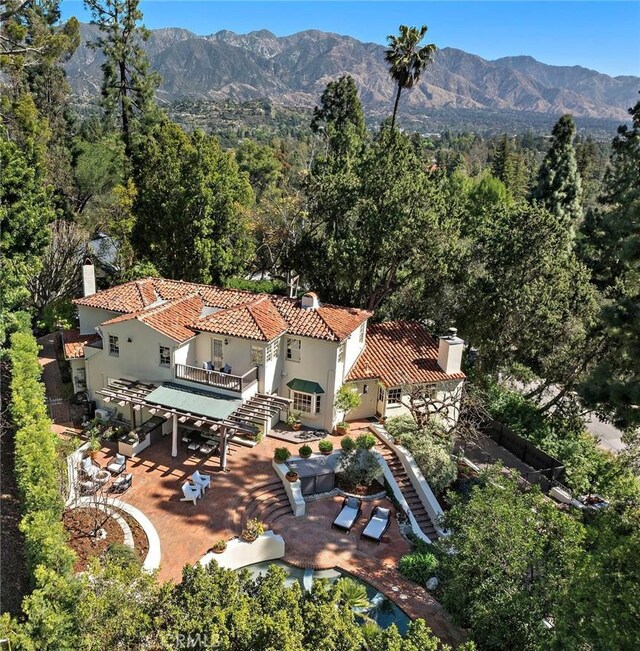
point(37, 465)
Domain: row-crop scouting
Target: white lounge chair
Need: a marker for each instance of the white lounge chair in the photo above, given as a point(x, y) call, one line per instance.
point(191, 492)
point(379, 522)
point(118, 464)
point(88, 487)
point(89, 468)
point(204, 481)
point(349, 513)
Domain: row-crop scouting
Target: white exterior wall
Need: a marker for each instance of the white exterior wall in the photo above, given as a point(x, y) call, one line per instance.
point(353, 349)
point(91, 317)
point(367, 406)
point(237, 352)
point(271, 378)
point(138, 360)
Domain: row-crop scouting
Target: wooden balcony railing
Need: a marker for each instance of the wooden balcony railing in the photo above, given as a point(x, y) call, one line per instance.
point(215, 378)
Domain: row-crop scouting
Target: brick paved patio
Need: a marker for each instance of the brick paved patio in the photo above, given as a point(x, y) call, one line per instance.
point(187, 531)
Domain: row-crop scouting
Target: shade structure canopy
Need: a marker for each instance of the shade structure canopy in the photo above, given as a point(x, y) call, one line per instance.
point(194, 401)
point(305, 386)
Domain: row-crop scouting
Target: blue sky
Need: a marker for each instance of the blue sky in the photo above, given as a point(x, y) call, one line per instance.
point(604, 36)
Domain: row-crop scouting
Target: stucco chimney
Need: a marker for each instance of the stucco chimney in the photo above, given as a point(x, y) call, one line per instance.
point(310, 301)
point(88, 277)
point(450, 352)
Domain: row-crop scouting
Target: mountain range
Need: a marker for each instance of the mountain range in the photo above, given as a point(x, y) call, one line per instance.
point(293, 71)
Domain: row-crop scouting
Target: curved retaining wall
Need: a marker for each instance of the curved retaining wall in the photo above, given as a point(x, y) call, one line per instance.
point(268, 547)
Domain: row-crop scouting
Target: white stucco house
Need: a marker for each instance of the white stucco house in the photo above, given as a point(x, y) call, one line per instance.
point(240, 348)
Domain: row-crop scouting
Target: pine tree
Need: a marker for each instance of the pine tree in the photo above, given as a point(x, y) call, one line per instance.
point(128, 85)
point(558, 186)
point(614, 386)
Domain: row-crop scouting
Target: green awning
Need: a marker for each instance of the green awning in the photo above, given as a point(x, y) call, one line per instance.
point(304, 386)
point(194, 401)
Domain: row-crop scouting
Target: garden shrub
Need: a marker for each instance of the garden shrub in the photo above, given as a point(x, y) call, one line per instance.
point(347, 444)
point(281, 454)
point(37, 464)
point(419, 566)
point(365, 441)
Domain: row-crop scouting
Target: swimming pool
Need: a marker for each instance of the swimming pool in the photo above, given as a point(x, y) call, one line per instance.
point(383, 611)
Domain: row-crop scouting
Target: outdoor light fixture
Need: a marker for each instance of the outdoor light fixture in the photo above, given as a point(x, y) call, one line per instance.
point(129, 340)
point(365, 388)
point(226, 342)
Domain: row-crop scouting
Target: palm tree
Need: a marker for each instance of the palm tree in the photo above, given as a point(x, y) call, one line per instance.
point(407, 60)
point(353, 595)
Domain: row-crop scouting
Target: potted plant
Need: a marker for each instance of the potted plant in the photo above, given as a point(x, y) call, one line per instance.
point(348, 444)
point(305, 451)
point(294, 422)
point(281, 454)
point(219, 546)
point(346, 399)
point(325, 446)
point(252, 530)
point(292, 476)
point(94, 446)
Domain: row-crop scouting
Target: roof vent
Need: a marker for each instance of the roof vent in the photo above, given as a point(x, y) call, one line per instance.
point(310, 301)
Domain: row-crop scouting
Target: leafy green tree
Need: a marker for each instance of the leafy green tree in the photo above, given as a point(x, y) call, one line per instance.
point(600, 610)
point(190, 206)
point(508, 563)
point(261, 165)
point(128, 85)
point(558, 187)
point(407, 59)
point(372, 227)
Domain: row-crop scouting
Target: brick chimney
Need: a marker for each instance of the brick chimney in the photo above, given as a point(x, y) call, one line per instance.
point(450, 352)
point(88, 277)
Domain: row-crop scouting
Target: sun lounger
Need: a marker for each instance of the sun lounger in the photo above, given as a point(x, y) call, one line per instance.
point(349, 514)
point(379, 522)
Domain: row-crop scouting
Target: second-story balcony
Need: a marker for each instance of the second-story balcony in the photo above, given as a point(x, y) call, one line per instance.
point(216, 379)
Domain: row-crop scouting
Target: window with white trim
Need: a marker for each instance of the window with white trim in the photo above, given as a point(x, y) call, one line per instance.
point(256, 355)
point(341, 348)
point(318, 400)
point(361, 333)
point(393, 396)
point(293, 349)
point(114, 347)
point(165, 356)
point(273, 350)
point(302, 402)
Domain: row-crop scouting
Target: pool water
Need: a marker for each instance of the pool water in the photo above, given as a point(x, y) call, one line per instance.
point(383, 611)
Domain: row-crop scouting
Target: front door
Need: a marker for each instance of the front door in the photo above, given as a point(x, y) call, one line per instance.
point(217, 356)
point(380, 404)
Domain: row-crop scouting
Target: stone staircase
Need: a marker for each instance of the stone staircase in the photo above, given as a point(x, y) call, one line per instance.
point(408, 491)
point(267, 502)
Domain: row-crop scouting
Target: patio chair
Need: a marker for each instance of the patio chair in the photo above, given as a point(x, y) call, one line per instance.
point(88, 487)
point(117, 465)
point(377, 525)
point(89, 468)
point(194, 445)
point(204, 481)
point(191, 492)
point(122, 484)
point(349, 514)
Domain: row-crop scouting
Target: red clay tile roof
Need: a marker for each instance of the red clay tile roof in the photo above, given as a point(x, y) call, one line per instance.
point(130, 297)
point(172, 318)
point(256, 320)
point(328, 322)
point(73, 343)
point(325, 322)
point(399, 353)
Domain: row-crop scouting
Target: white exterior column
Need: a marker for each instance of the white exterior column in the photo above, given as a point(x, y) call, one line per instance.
point(223, 448)
point(174, 437)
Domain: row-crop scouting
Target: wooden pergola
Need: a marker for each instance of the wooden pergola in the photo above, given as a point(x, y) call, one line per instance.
point(136, 395)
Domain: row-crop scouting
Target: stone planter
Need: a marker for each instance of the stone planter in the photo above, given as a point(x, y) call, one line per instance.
point(291, 476)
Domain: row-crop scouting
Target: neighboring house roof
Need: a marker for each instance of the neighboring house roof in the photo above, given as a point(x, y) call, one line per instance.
point(256, 320)
point(259, 316)
point(172, 318)
point(399, 353)
point(73, 343)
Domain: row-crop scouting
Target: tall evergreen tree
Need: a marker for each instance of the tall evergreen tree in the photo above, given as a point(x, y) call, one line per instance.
point(508, 164)
point(340, 117)
point(614, 386)
point(558, 187)
point(128, 85)
point(407, 60)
